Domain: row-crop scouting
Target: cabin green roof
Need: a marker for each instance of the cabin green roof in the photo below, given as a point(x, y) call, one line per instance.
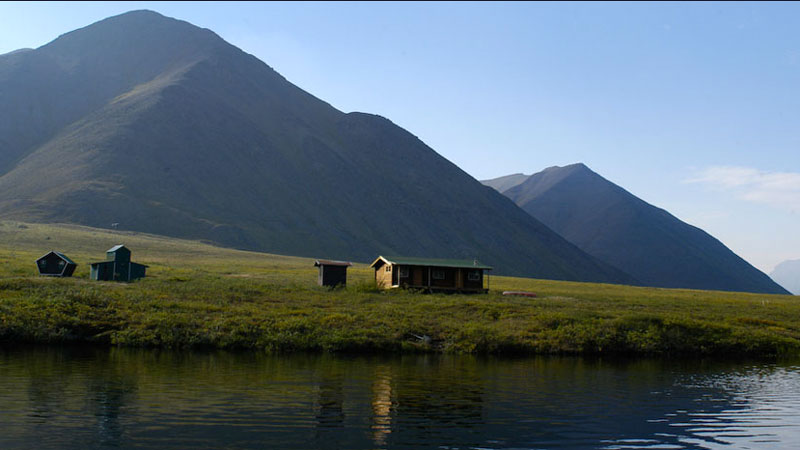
point(455, 263)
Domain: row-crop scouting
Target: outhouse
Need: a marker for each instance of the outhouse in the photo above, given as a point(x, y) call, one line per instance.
point(55, 264)
point(117, 266)
point(332, 273)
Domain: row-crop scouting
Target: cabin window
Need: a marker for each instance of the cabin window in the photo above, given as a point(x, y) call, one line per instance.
point(403, 272)
point(61, 264)
point(388, 268)
point(437, 274)
point(474, 275)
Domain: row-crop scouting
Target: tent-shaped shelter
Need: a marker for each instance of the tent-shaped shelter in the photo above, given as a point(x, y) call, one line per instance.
point(55, 264)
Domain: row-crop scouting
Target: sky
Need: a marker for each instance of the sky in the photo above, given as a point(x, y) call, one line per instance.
point(693, 107)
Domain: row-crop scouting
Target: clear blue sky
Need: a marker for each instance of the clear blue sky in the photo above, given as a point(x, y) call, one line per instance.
point(694, 107)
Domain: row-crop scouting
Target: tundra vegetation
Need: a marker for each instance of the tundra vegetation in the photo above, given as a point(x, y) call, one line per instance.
point(201, 296)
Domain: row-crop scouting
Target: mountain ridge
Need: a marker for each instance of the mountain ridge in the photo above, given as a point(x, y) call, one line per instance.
point(165, 128)
point(610, 223)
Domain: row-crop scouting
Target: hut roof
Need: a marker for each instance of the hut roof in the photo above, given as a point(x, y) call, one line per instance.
point(455, 263)
point(115, 248)
point(65, 258)
point(328, 262)
point(60, 255)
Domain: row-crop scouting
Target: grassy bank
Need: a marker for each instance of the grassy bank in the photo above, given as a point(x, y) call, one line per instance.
point(198, 295)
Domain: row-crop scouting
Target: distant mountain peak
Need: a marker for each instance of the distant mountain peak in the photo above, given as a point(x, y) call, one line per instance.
point(505, 183)
point(570, 169)
point(574, 166)
point(615, 226)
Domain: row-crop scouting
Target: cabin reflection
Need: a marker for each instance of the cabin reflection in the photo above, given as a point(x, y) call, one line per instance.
point(330, 404)
point(382, 405)
point(426, 398)
point(110, 396)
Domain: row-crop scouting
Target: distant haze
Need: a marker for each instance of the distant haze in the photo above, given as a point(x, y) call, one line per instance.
point(787, 274)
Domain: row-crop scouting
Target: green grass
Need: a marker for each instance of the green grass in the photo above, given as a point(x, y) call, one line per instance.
point(197, 295)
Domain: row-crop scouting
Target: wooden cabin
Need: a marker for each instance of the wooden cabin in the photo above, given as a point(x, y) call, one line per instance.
point(332, 273)
point(443, 275)
point(117, 266)
point(55, 264)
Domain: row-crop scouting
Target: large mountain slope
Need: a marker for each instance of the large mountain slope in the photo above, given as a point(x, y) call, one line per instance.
point(163, 127)
point(787, 274)
point(647, 242)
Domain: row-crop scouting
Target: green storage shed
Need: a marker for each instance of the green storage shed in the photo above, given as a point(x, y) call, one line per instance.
point(117, 266)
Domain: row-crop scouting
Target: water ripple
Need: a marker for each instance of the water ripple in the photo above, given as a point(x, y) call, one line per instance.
point(98, 399)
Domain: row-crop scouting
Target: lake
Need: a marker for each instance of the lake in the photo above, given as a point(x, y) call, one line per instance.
point(98, 398)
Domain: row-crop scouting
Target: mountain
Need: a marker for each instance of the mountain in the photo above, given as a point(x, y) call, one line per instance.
point(505, 183)
point(163, 127)
point(787, 274)
point(647, 242)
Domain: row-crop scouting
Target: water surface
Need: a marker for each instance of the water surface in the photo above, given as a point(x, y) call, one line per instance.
point(92, 398)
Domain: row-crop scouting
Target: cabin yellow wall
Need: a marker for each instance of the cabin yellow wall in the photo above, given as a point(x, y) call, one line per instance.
point(383, 278)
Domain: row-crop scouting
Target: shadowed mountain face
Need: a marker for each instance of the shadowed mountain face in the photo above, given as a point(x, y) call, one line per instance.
point(647, 242)
point(787, 274)
point(165, 128)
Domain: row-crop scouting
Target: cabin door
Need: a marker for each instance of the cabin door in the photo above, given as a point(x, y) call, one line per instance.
point(417, 280)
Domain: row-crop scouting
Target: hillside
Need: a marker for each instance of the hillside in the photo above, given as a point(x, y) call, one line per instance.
point(787, 274)
point(163, 127)
point(647, 242)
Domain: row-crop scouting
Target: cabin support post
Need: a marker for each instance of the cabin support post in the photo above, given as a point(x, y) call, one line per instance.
point(429, 278)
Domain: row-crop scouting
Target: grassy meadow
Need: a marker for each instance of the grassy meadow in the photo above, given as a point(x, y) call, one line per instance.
point(198, 295)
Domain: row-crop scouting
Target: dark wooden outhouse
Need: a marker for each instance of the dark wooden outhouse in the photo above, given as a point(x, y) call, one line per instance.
point(442, 275)
point(117, 266)
point(332, 273)
point(55, 264)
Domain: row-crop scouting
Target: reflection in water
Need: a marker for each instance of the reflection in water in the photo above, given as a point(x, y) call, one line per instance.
point(382, 405)
point(109, 397)
point(329, 410)
point(76, 398)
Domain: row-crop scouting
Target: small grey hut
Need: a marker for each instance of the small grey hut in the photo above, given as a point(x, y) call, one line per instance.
point(332, 273)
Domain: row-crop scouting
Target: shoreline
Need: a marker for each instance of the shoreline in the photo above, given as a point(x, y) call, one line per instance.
point(228, 313)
